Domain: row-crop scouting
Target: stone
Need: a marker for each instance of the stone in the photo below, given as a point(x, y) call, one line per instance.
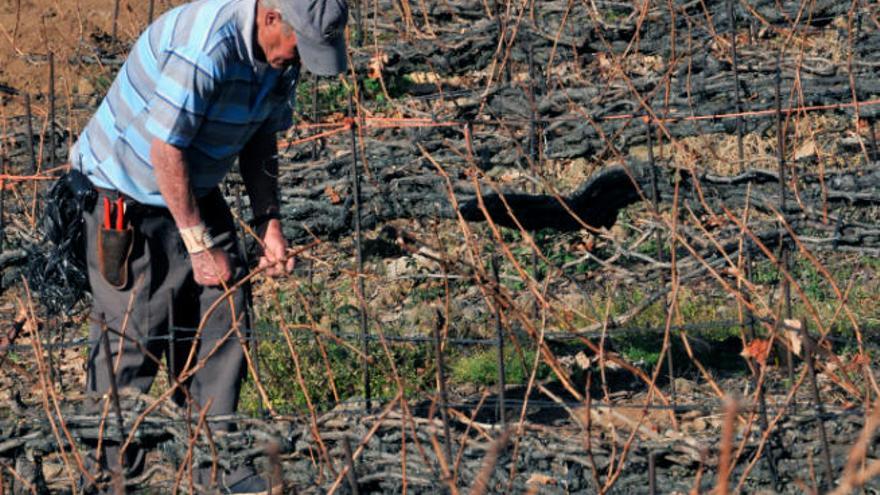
point(84, 86)
point(685, 386)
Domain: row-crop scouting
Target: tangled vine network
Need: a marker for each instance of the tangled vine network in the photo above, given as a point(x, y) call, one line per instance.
point(561, 178)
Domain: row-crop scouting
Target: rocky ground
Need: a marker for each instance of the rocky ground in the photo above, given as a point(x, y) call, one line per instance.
point(591, 306)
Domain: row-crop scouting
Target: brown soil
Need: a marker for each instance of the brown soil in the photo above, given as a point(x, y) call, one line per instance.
point(30, 29)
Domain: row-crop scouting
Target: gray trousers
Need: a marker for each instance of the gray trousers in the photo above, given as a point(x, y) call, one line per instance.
point(154, 311)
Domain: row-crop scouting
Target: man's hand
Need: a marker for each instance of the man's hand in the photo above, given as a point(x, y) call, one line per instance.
point(211, 267)
point(275, 251)
point(258, 163)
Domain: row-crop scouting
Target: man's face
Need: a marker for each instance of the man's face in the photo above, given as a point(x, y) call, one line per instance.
point(280, 46)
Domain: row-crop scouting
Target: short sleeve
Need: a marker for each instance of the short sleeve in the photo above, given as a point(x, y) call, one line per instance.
point(183, 92)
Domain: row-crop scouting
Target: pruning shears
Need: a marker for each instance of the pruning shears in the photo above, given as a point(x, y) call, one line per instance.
point(119, 207)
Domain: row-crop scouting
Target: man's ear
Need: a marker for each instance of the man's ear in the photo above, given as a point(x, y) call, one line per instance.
point(271, 17)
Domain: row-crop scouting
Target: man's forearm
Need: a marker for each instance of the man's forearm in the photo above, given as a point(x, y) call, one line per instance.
point(258, 163)
point(172, 176)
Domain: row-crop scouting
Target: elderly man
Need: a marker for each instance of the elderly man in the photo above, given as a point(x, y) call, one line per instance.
point(208, 82)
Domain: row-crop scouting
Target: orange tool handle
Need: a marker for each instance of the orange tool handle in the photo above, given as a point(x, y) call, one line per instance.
point(120, 213)
point(107, 224)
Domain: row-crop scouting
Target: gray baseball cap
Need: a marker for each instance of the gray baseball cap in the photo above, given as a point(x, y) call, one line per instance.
point(320, 32)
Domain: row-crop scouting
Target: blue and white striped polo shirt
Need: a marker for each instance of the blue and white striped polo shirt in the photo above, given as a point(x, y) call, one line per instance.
point(191, 80)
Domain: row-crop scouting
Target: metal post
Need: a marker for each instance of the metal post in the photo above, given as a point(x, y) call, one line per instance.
point(874, 140)
point(311, 262)
point(172, 354)
point(115, 19)
point(820, 406)
point(53, 369)
point(359, 263)
point(30, 133)
point(53, 142)
point(250, 331)
point(499, 332)
point(652, 473)
point(533, 124)
point(441, 384)
point(534, 155)
point(314, 114)
point(356, 33)
point(769, 456)
point(502, 34)
point(780, 158)
point(275, 479)
point(735, 60)
point(658, 239)
point(655, 189)
point(2, 208)
point(119, 476)
point(351, 476)
point(359, 42)
point(150, 11)
point(172, 342)
point(746, 296)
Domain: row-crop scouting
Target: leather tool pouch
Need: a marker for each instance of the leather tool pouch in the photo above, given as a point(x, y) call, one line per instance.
point(114, 250)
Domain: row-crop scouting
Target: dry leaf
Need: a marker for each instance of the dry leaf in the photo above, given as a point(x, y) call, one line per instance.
point(856, 362)
point(540, 479)
point(793, 335)
point(536, 481)
point(333, 195)
point(611, 359)
point(805, 150)
point(590, 245)
point(860, 359)
point(424, 77)
point(795, 341)
point(377, 62)
point(792, 324)
point(731, 271)
point(582, 360)
point(758, 349)
point(712, 221)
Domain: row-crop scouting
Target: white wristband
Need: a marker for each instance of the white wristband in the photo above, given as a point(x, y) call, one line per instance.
point(197, 238)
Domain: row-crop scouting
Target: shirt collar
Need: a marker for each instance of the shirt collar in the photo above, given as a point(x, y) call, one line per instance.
point(247, 18)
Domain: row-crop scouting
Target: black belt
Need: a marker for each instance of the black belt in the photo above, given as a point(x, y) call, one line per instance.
point(134, 207)
point(112, 193)
point(148, 209)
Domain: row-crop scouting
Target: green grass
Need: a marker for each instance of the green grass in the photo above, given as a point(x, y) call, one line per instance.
point(871, 262)
point(641, 355)
point(481, 368)
point(332, 303)
point(557, 254)
point(102, 84)
point(279, 375)
point(613, 15)
point(333, 95)
point(649, 248)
